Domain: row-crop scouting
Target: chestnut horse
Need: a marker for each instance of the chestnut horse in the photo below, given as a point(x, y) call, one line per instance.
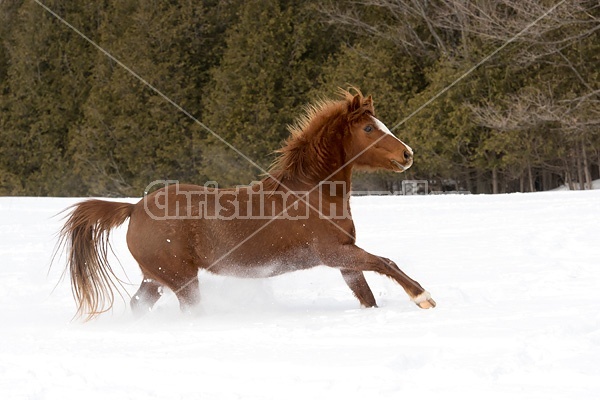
point(296, 218)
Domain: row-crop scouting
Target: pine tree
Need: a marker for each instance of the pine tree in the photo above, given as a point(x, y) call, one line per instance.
point(46, 85)
point(131, 135)
point(273, 57)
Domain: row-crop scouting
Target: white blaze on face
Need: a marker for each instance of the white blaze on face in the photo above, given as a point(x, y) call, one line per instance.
point(381, 126)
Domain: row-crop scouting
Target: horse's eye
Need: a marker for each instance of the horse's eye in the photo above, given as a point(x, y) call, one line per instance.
point(368, 129)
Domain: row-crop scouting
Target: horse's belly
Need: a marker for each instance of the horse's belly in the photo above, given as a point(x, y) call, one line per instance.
point(250, 268)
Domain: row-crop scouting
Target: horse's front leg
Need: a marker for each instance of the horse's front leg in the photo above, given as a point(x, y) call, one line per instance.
point(422, 298)
point(358, 284)
point(351, 257)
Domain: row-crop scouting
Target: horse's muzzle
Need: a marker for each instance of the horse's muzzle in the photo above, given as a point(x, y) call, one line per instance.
point(400, 167)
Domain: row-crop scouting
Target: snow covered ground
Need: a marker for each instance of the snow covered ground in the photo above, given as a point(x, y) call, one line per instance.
point(516, 279)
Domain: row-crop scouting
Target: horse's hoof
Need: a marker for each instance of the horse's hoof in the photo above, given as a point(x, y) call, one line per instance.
point(424, 300)
point(427, 304)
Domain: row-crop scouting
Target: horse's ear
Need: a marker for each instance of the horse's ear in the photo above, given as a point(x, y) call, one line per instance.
point(359, 105)
point(355, 104)
point(368, 104)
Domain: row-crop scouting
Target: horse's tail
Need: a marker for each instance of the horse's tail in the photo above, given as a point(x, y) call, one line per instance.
point(86, 235)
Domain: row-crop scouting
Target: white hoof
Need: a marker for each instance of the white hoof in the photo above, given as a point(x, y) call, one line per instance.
point(424, 300)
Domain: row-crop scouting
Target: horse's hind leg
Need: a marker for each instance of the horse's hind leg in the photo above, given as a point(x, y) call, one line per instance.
point(187, 291)
point(146, 296)
point(358, 284)
point(180, 278)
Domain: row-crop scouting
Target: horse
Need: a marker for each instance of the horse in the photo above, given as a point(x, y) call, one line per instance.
point(297, 217)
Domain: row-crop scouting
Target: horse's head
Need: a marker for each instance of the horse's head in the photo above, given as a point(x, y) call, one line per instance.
point(373, 146)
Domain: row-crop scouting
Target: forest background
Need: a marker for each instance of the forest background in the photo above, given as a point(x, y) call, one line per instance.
point(75, 123)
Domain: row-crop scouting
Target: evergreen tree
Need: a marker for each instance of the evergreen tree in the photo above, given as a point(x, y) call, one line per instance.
point(74, 122)
point(273, 57)
point(131, 135)
point(46, 83)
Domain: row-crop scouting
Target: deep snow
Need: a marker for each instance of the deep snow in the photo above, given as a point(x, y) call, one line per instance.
point(516, 279)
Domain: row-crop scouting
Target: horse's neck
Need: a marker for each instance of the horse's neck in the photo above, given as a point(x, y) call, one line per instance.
point(334, 189)
point(341, 180)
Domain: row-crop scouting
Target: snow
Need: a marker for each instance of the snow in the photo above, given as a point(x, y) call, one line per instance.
point(515, 278)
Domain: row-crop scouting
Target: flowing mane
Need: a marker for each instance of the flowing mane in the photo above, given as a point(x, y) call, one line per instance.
point(318, 140)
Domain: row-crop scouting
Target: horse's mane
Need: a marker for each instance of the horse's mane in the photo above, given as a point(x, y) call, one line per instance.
point(318, 140)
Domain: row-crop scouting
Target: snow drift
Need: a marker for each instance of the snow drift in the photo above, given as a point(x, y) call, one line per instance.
point(516, 278)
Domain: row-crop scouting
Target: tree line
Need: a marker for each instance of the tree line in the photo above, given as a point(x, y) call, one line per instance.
point(74, 122)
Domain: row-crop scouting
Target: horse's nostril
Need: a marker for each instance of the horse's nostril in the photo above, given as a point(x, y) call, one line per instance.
point(407, 155)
